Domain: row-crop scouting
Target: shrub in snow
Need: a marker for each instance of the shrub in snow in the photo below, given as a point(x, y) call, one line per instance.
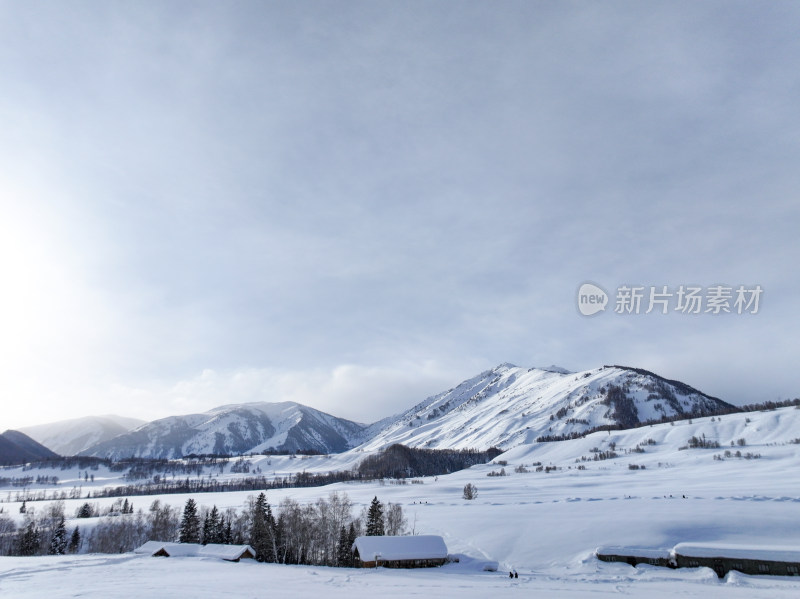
point(470, 491)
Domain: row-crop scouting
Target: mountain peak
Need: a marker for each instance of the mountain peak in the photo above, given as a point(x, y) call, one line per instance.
point(236, 429)
point(508, 406)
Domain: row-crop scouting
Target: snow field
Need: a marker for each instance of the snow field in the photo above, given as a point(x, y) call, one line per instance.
point(546, 526)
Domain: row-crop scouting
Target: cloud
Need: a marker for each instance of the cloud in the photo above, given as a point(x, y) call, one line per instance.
point(356, 392)
point(268, 192)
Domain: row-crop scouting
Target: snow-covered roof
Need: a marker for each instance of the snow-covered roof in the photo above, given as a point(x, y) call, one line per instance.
point(758, 552)
point(400, 548)
point(646, 552)
point(227, 552)
point(149, 548)
point(171, 549)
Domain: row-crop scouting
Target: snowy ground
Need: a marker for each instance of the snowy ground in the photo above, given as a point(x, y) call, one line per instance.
point(126, 576)
point(546, 526)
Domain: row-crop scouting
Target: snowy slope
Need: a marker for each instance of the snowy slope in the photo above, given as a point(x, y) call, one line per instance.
point(508, 405)
point(71, 437)
point(234, 429)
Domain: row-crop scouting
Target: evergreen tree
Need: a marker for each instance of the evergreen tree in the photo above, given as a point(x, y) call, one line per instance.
point(221, 529)
point(351, 535)
point(22, 508)
point(212, 527)
point(344, 554)
point(228, 536)
point(28, 539)
point(58, 544)
point(75, 541)
point(272, 531)
point(263, 531)
point(206, 532)
point(85, 511)
point(190, 523)
point(375, 519)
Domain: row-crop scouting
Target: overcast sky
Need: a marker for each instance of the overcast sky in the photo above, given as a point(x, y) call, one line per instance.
point(355, 205)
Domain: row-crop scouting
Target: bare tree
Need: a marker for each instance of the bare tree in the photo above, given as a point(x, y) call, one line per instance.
point(470, 491)
point(119, 534)
point(332, 515)
point(164, 521)
point(395, 520)
point(8, 531)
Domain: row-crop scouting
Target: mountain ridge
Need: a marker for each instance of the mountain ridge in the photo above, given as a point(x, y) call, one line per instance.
point(504, 406)
point(234, 429)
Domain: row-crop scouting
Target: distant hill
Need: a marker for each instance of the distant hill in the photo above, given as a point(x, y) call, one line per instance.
point(71, 437)
point(235, 429)
point(18, 448)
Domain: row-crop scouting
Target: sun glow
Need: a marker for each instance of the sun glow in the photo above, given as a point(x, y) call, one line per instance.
point(45, 305)
point(25, 301)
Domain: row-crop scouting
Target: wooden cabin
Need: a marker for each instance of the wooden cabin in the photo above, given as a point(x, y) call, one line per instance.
point(229, 553)
point(419, 551)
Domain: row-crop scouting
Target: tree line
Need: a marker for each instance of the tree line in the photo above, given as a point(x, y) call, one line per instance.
point(396, 462)
point(399, 461)
point(318, 533)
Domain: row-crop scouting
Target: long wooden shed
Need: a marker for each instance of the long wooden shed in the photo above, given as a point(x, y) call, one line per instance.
point(722, 558)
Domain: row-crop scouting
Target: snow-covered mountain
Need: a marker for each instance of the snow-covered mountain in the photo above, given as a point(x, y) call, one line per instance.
point(509, 405)
point(71, 437)
point(502, 407)
point(235, 429)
